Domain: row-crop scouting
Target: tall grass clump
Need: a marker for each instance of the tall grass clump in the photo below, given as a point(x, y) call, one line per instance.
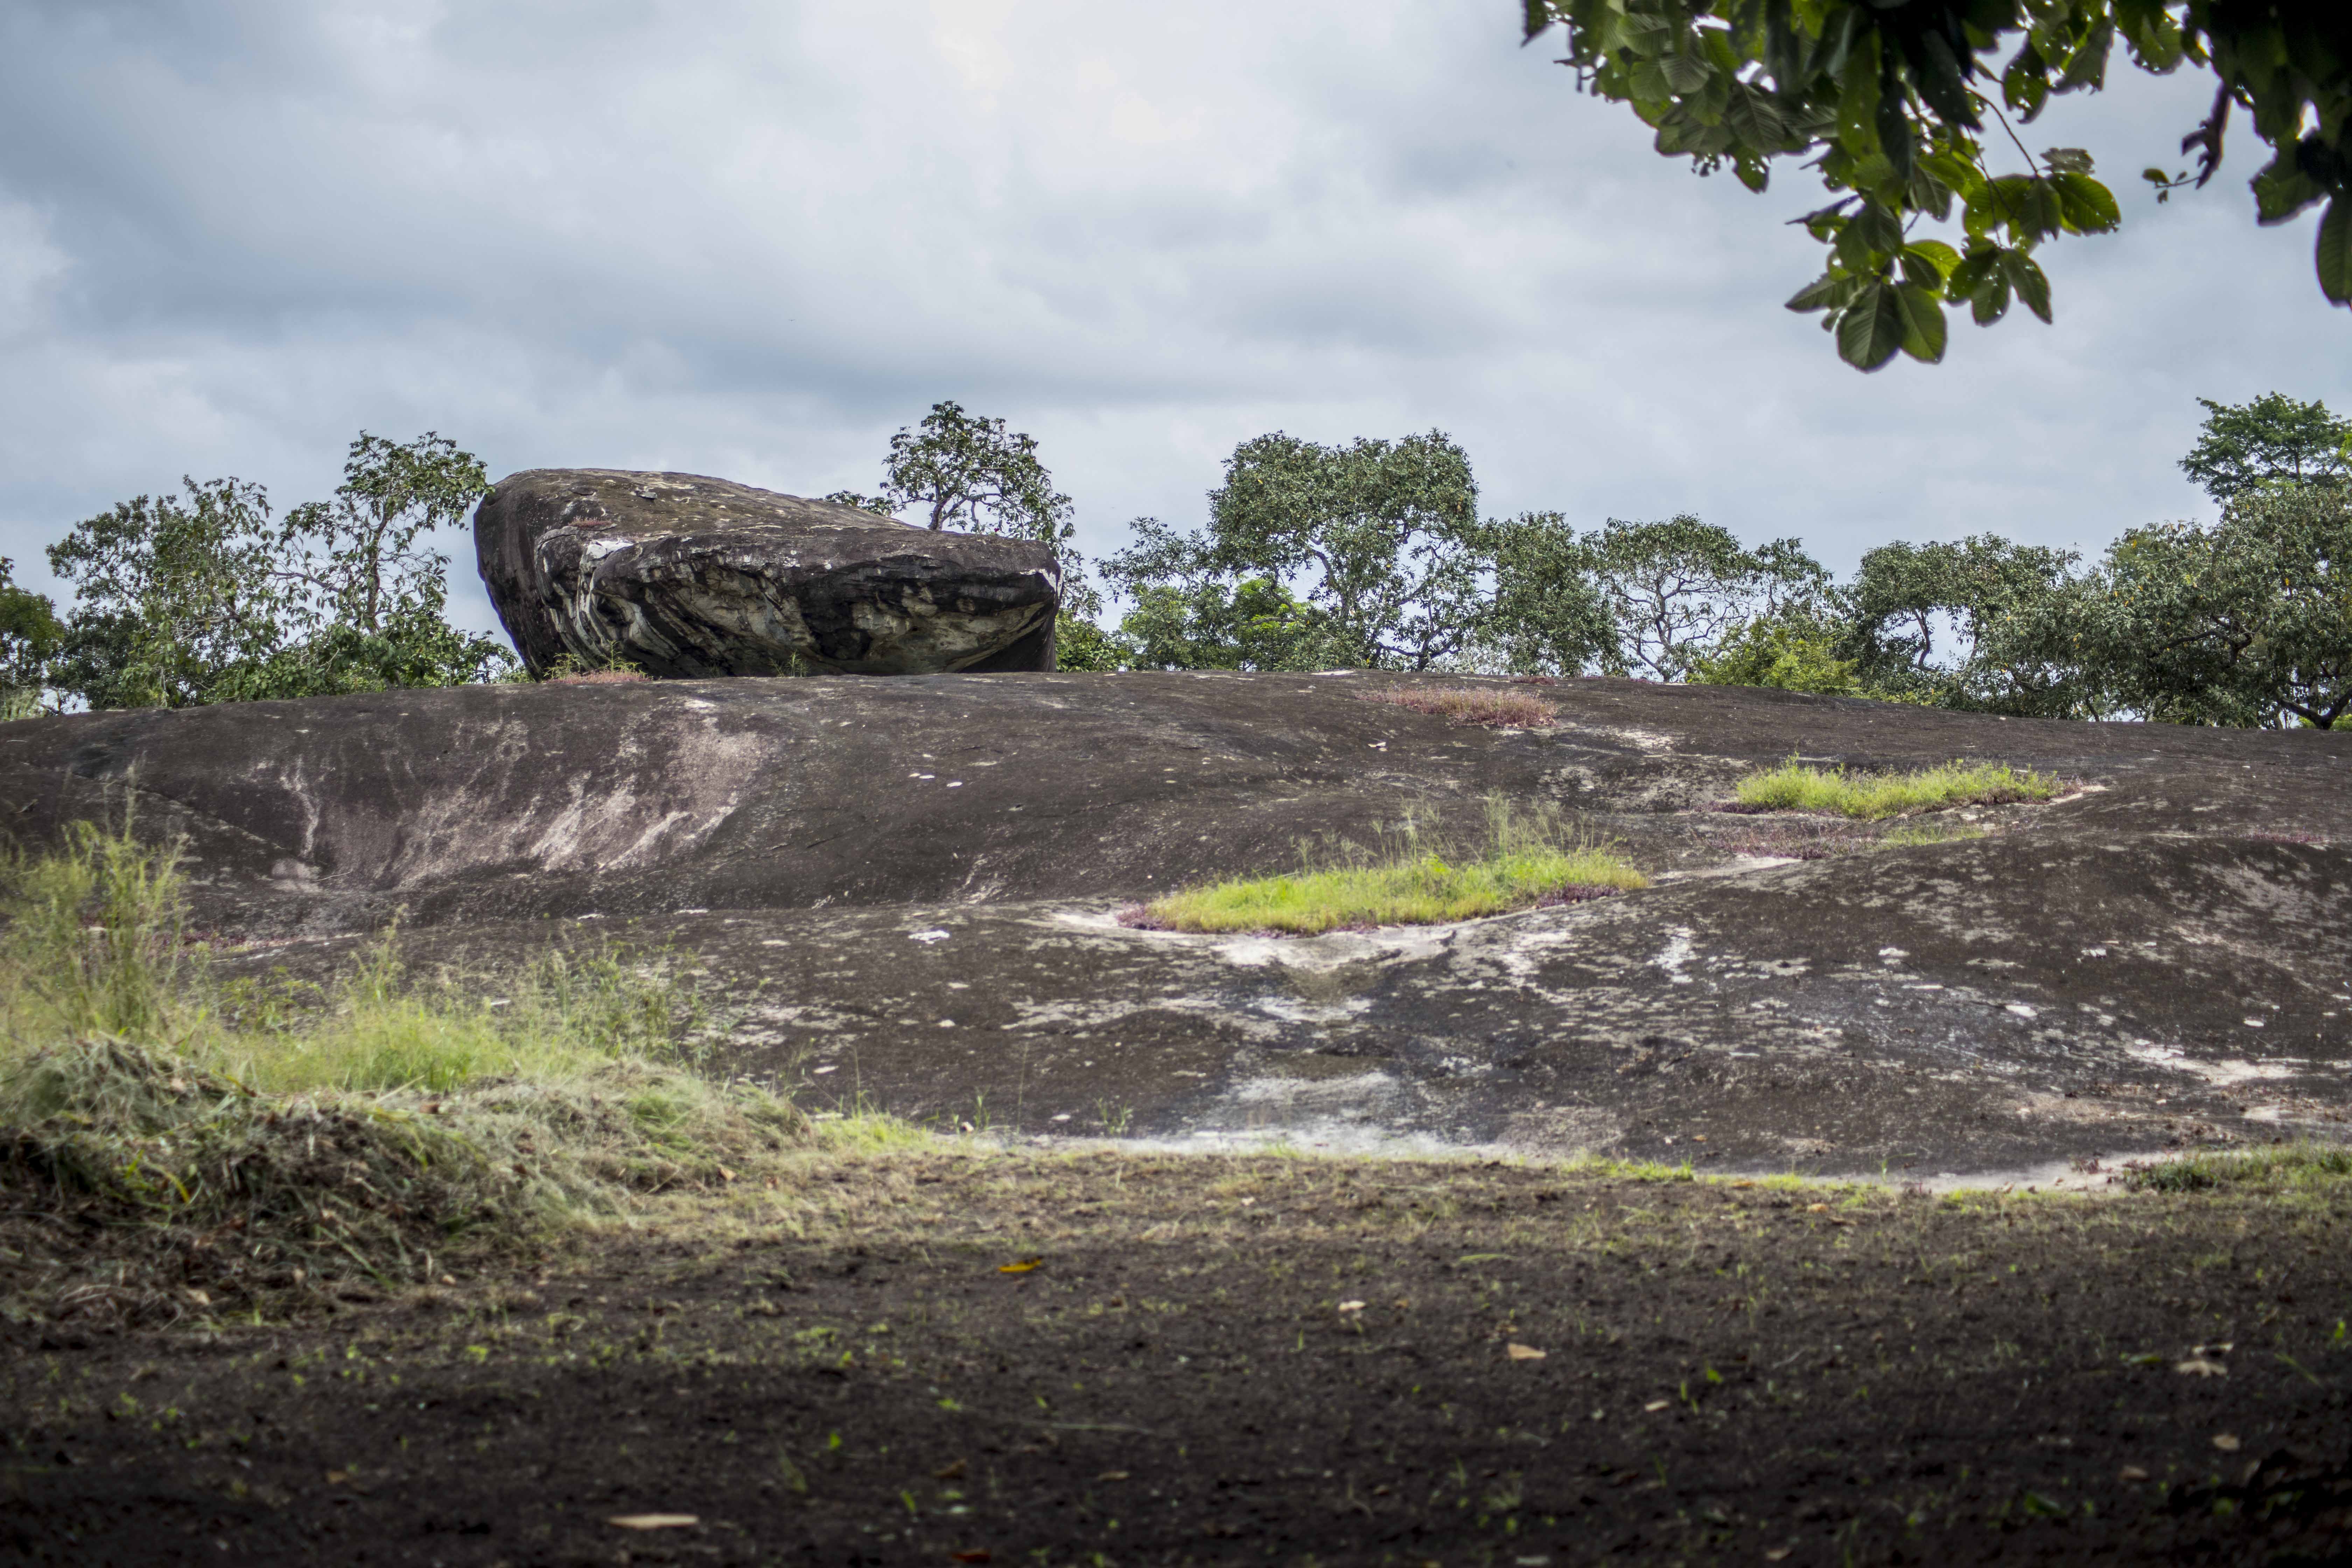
point(1800, 786)
point(1521, 864)
point(248, 1141)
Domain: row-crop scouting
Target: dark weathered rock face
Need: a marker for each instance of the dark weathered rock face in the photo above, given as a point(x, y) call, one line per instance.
point(686, 576)
point(911, 886)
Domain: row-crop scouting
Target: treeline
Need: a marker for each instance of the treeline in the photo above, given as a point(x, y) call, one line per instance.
point(1374, 554)
point(1370, 555)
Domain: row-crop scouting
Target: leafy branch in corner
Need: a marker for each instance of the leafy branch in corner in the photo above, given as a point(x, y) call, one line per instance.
point(1887, 101)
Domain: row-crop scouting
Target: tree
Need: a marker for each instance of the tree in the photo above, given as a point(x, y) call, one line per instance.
point(168, 594)
point(1189, 616)
point(1886, 99)
point(2245, 623)
point(365, 601)
point(1674, 589)
point(1794, 652)
point(205, 600)
point(357, 556)
point(970, 473)
point(1380, 539)
point(1547, 617)
point(2272, 441)
point(30, 636)
point(1995, 607)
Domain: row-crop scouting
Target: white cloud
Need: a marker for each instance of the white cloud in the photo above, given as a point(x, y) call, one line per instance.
point(751, 239)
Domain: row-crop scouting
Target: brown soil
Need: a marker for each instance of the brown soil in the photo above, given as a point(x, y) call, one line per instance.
point(1269, 1360)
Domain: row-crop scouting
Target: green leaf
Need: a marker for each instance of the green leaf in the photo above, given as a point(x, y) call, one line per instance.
point(1979, 267)
point(1873, 327)
point(1989, 301)
point(1857, 99)
point(1685, 73)
point(2335, 251)
point(2283, 189)
point(2085, 205)
point(1823, 293)
point(1753, 119)
point(2067, 161)
point(2025, 276)
point(1959, 173)
point(2025, 85)
point(1923, 323)
point(1942, 257)
point(2089, 67)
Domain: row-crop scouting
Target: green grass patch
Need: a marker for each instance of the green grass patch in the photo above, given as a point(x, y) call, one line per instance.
point(1522, 864)
point(1800, 786)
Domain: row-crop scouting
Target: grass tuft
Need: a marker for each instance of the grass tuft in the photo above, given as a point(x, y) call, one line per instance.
point(213, 1140)
point(1522, 864)
point(1800, 787)
point(1472, 705)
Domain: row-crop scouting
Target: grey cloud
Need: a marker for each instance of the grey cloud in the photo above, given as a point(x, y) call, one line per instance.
point(753, 238)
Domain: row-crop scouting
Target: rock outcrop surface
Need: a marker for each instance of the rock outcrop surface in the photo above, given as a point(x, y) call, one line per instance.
point(686, 576)
point(911, 887)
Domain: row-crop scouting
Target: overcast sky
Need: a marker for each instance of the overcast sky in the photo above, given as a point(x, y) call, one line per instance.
point(753, 237)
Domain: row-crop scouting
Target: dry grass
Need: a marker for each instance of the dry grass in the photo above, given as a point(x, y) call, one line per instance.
point(597, 678)
point(1472, 705)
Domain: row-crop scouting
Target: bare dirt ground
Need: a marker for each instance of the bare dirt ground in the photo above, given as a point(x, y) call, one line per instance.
point(927, 1357)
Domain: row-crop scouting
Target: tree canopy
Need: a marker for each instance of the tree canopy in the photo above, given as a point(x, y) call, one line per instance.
point(1889, 101)
point(1369, 554)
point(200, 597)
point(2272, 441)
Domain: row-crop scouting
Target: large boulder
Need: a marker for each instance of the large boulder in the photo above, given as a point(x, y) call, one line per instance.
point(686, 576)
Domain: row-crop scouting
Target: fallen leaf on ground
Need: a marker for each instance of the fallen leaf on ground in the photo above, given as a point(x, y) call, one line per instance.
point(1656, 1404)
point(2226, 1441)
point(949, 1472)
point(978, 1554)
point(337, 1477)
point(1019, 1266)
point(1518, 1351)
point(2131, 1473)
point(1816, 1208)
point(654, 1520)
point(1351, 1306)
point(2198, 1366)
